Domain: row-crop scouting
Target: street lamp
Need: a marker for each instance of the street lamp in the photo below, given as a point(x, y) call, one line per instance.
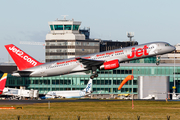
point(174, 87)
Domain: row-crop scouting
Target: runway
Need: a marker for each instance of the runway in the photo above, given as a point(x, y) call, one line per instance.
point(18, 102)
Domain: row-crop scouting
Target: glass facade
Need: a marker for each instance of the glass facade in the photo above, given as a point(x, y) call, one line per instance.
point(67, 27)
point(75, 27)
point(64, 27)
point(56, 43)
point(107, 82)
point(145, 60)
point(63, 49)
point(58, 27)
point(51, 26)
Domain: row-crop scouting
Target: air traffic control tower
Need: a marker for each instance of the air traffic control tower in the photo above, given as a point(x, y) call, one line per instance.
point(65, 41)
point(64, 30)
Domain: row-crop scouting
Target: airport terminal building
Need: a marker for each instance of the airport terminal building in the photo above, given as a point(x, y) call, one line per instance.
point(107, 82)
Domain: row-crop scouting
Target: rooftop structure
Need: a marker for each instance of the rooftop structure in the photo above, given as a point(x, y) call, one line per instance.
point(64, 30)
point(106, 45)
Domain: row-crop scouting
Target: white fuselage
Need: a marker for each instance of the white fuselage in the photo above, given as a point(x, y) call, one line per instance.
point(71, 93)
point(66, 94)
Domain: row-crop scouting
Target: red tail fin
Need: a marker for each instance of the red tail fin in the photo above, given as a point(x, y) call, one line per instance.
point(22, 60)
point(3, 82)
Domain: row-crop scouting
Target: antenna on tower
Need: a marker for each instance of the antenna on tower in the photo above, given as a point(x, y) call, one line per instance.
point(130, 35)
point(64, 16)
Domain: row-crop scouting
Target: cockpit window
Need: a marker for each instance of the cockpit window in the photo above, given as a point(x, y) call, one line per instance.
point(167, 44)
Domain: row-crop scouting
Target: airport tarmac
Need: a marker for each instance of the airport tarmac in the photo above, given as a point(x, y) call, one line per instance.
point(18, 102)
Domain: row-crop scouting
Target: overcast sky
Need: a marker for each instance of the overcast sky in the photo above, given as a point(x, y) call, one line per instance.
point(150, 20)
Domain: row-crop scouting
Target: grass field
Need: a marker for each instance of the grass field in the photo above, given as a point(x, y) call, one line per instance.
point(117, 110)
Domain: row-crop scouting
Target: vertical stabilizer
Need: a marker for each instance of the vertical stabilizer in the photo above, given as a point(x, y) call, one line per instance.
point(3, 82)
point(22, 60)
point(88, 87)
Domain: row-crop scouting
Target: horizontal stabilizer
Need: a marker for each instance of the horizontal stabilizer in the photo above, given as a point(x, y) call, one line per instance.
point(22, 73)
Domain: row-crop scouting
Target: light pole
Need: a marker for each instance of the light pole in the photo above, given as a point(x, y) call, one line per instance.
point(132, 91)
point(174, 87)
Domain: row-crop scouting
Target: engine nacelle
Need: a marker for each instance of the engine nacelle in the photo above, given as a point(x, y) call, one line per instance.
point(113, 64)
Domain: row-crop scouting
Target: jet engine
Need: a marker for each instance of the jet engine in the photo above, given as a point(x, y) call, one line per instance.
point(113, 64)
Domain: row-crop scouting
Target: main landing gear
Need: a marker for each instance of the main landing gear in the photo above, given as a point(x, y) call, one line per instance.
point(94, 76)
point(157, 60)
point(94, 69)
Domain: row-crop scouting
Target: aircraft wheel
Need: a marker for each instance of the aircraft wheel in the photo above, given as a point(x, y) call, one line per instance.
point(157, 63)
point(92, 76)
point(96, 75)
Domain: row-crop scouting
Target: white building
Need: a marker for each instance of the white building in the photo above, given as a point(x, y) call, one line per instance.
point(65, 41)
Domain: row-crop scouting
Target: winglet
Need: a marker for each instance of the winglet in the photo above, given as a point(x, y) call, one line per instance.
point(22, 60)
point(3, 82)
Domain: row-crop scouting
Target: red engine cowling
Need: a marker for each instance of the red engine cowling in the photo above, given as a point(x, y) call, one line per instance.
point(113, 64)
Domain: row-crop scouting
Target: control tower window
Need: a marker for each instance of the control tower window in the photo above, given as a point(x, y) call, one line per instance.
point(51, 26)
point(67, 27)
point(75, 27)
point(58, 27)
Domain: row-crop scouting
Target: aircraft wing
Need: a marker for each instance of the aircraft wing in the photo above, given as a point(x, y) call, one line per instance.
point(90, 62)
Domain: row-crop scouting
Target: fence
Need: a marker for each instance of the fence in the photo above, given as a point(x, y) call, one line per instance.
point(91, 116)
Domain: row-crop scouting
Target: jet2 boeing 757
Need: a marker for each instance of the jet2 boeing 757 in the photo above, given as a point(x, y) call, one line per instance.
point(107, 60)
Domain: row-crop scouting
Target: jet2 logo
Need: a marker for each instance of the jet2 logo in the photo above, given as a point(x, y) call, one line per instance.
point(88, 87)
point(21, 55)
point(139, 52)
point(143, 51)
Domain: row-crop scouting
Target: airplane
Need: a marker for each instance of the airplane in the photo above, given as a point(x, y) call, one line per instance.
point(70, 93)
point(107, 60)
point(3, 82)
